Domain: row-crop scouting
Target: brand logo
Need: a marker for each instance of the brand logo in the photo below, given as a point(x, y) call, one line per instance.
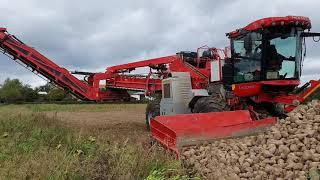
point(246, 87)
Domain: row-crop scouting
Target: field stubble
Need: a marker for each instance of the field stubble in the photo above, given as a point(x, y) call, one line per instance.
point(106, 141)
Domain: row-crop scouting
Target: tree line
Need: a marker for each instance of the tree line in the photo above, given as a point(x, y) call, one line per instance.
point(14, 91)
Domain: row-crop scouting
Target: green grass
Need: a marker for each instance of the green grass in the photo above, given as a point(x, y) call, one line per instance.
point(34, 146)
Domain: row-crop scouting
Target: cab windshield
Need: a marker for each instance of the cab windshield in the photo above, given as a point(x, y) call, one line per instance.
point(281, 57)
point(267, 56)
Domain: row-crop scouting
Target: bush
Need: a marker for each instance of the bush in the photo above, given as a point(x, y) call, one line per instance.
point(56, 94)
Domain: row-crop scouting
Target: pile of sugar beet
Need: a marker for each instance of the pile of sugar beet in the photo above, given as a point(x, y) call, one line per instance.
point(288, 150)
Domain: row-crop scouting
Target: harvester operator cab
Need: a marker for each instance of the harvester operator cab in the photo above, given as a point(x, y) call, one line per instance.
point(269, 49)
point(207, 54)
point(189, 57)
point(200, 59)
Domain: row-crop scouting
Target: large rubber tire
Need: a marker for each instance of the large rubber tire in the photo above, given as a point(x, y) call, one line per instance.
point(152, 110)
point(213, 103)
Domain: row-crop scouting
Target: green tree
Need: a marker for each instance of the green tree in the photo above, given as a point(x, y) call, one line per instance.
point(45, 88)
point(11, 91)
point(29, 94)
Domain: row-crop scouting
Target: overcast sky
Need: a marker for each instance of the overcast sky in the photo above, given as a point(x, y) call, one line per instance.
point(91, 35)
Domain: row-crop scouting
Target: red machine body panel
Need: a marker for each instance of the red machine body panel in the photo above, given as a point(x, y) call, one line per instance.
point(282, 83)
point(255, 88)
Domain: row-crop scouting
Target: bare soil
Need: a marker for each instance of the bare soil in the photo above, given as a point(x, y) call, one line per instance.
point(117, 124)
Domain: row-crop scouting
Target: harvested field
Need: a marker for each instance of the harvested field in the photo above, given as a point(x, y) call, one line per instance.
point(94, 141)
point(107, 141)
point(125, 123)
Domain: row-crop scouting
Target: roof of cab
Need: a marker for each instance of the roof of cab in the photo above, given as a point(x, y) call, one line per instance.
point(298, 21)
